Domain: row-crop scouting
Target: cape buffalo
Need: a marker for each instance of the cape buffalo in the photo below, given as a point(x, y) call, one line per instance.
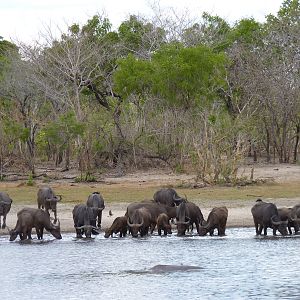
point(96, 200)
point(29, 218)
point(47, 199)
point(139, 221)
point(84, 220)
point(5, 204)
point(217, 219)
point(118, 225)
point(163, 223)
point(155, 209)
point(187, 214)
point(285, 215)
point(266, 215)
point(168, 197)
point(295, 217)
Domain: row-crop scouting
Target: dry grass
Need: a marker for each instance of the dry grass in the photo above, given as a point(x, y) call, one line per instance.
point(130, 192)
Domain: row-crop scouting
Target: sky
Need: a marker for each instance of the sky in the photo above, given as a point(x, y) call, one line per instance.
point(23, 20)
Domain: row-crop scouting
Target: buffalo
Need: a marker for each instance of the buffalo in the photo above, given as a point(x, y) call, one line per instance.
point(155, 209)
point(167, 197)
point(47, 199)
point(96, 201)
point(266, 215)
point(217, 219)
point(295, 217)
point(29, 218)
point(285, 215)
point(84, 220)
point(118, 225)
point(163, 223)
point(5, 205)
point(139, 221)
point(187, 214)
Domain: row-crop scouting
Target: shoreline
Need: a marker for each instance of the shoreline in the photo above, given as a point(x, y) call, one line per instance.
point(239, 213)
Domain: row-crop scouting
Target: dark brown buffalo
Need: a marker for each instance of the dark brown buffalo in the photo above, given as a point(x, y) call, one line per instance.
point(266, 215)
point(217, 219)
point(155, 210)
point(84, 220)
point(95, 200)
point(187, 214)
point(285, 215)
point(167, 197)
point(47, 199)
point(163, 223)
point(5, 205)
point(118, 225)
point(139, 221)
point(295, 217)
point(29, 218)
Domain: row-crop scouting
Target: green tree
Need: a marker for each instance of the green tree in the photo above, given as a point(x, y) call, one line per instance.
point(182, 76)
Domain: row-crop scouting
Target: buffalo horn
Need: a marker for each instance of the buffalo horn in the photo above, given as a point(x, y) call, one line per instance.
point(51, 199)
point(132, 224)
point(58, 225)
point(86, 226)
point(277, 222)
point(182, 222)
point(176, 199)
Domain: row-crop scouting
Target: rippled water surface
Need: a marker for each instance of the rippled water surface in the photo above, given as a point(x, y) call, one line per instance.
point(238, 266)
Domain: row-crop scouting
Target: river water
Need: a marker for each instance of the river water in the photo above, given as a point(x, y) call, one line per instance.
point(237, 266)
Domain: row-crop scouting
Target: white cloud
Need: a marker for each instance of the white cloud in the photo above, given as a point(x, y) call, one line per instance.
point(23, 20)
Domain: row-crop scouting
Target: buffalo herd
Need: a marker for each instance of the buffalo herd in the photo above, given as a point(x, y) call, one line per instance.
point(165, 211)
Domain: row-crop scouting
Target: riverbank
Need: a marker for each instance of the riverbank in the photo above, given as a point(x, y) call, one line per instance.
point(282, 188)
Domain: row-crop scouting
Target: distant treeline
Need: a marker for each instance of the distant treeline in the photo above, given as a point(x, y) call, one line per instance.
point(198, 96)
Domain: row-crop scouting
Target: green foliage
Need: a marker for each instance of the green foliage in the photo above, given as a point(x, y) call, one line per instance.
point(30, 180)
point(60, 132)
point(87, 177)
point(97, 26)
point(16, 131)
point(247, 31)
point(5, 49)
point(290, 9)
point(182, 76)
point(134, 76)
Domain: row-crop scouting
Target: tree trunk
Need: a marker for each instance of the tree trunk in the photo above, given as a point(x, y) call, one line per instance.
point(295, 156)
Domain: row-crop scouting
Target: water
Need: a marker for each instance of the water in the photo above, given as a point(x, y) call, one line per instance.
point(238, 266)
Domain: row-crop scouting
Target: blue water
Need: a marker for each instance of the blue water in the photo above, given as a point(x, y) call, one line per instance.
point(237, 266)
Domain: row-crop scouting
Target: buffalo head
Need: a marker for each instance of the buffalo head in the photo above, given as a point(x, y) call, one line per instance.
point(135, 227)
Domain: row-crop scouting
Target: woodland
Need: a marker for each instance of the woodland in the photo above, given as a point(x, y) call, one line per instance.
point(197, 96)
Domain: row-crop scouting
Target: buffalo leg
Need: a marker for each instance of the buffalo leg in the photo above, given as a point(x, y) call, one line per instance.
point(4, 222)
point(197, 227)
point(265, 230)
point(78, 233)
point(55, 216)
point(159, 231)
point(0, 221)
point(29, 234)
point(152, 227)
point(99, 219)
point(38, 234)
point(260, 229)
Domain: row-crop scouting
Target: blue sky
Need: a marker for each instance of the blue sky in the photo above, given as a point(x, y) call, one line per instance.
point(23, 20)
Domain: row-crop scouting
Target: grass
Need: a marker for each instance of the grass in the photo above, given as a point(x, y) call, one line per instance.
point(23, 194)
